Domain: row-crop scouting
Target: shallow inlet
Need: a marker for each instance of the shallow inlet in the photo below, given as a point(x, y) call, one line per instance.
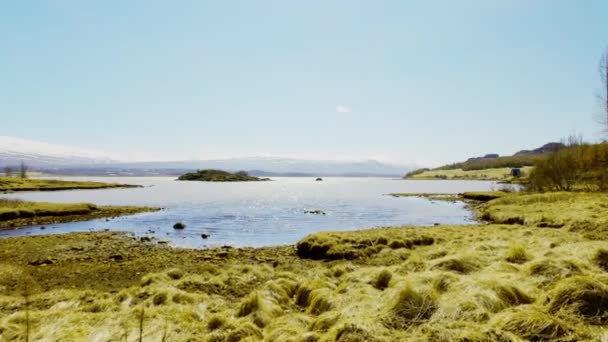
point(258, 213)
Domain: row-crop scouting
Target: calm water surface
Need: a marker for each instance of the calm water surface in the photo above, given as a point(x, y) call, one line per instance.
point(258, 213)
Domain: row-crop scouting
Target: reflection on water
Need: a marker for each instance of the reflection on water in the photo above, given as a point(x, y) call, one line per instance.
point(259, 213)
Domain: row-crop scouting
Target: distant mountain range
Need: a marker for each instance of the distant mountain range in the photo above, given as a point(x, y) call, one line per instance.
point(56, 159)
point(546, 148)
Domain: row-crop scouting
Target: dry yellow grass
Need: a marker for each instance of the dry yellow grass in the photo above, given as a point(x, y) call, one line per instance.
point(494, 282)
point(10, 184)
point(499, 174)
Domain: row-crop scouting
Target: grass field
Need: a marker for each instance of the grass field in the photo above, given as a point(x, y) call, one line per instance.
point(514, 281)
point(16, 213)
point(501, 174)
point(9, 184)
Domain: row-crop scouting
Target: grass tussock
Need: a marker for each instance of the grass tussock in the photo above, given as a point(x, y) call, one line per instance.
point(409, 308)
point(462, 265)
point(552, 270)
point(586, 297)
point(325, 321)
point(601, 259)
point(517, 254)
point(535, 325)
point(382, 279)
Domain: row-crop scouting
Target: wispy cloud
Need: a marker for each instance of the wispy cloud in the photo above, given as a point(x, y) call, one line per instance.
point(343, 109)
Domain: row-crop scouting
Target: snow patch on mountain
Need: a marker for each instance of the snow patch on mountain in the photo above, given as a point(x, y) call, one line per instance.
point(14, 150)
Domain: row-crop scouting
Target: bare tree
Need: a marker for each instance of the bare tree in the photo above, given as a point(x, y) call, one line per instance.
point(603, 95)
point(8, 171)
point(23, 170)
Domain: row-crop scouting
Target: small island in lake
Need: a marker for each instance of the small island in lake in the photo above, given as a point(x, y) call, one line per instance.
point(220, 176)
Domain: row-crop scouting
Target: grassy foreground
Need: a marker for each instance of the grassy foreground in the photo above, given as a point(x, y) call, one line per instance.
point(517, 280)
point(9, 184)
point(17, 213)
point(499, 174)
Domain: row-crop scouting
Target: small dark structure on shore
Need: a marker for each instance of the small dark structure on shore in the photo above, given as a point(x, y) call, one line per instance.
point(516, 172)
point(319, 179)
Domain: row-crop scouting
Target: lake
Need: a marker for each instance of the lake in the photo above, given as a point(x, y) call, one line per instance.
point(258, 213)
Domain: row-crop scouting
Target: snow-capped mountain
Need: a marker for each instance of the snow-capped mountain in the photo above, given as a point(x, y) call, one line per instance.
point(35, 153)
point(77, 161)
point(269, 166)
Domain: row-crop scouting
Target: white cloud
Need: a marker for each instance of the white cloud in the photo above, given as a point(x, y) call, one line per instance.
point(343, 109)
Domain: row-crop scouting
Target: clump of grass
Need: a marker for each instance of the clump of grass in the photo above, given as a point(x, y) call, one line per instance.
point(534, 325)
point(414, 263)
point(250, 305)
point(182, 298)
point(409, 308)
point(382, 279)
point(159, 298)
point(325, 321)
point(517, 254)
point(601, 259)
point(320, 301)
point(551, 270)
point(353, 333)
point(443, 282)
point(583, 296)
point(510, 294)
point(175, 274)
point(302, 295)
point(396, 244)
point(263, 309)
point(462, 265)
point(216, 322)
point(244, 331)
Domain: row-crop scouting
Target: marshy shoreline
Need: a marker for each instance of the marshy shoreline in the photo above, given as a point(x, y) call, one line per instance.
point(512, 278)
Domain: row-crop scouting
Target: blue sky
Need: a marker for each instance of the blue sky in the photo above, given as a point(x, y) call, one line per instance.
point(401, 81)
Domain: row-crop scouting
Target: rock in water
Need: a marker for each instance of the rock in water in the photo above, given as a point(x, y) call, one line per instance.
point(316, 212)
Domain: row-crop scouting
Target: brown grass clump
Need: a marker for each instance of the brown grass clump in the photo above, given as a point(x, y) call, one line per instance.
point(601, 259)
point(462, 265)
point(175, 274)
point(382, 279)
point(353, 333)
point(159, 298)
point(320, 301)
point(244, 331)
point(583, 296)
point(510, 295)
point(409, 308)
point(443, 282)
point(535, 325)
point(550, 270)
point(216, 322)
point(517, 254)
point(325, 321)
